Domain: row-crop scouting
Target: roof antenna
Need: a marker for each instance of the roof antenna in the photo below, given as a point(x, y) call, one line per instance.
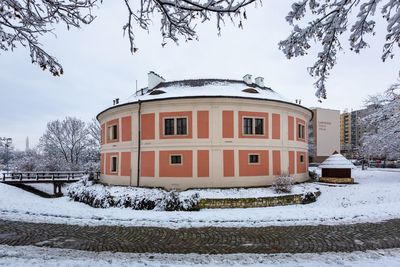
point(136, 86)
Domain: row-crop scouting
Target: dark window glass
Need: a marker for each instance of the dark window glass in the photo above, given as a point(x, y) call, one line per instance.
point(181, 128)
point(301, 158)
point(176, 159)
point(253, 158)
point(259, 126)
point(113, 164)
point(115, 132)
point(248, 126)
point(169, 126)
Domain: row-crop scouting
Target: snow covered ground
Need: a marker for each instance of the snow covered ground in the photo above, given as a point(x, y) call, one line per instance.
point(375, 198)
point(35, 256)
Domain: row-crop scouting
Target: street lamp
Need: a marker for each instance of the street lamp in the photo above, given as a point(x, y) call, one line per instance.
point(7, 142)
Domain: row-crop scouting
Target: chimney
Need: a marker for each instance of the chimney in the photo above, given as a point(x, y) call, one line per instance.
point(260, 81)
point(247, 79)
point(154, 80)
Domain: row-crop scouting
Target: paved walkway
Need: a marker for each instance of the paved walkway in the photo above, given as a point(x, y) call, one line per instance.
point(210, 240)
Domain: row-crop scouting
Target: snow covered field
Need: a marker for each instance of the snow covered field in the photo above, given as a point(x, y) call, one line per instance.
point(35, 256)
point(375, 198)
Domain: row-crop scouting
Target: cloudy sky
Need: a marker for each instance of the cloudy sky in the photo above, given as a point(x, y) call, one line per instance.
point(99, 67)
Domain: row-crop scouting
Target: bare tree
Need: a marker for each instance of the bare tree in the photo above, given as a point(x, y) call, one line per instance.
point(66, 140)
point(23, 22)
point(327, 21)
point(95, 131)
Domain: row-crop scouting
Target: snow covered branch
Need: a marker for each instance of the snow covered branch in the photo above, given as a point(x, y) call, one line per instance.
point(23, 22)
point(330, 21)
point(382, 126)
point(179, 17)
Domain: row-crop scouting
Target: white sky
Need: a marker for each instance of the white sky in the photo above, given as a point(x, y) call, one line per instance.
point(98, 67)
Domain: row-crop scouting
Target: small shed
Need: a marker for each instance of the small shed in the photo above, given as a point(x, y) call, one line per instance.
point(336, 169)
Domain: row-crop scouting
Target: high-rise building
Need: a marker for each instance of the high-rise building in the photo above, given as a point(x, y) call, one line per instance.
point(351, 131)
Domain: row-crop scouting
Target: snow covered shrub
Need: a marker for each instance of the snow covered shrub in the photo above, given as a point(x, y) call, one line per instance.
point(308, 197)
point(94, 195)
point(101, 196)
point(174, 201)
point(313, 175)
point(283, 184)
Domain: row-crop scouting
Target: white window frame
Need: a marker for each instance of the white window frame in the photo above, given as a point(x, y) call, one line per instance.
point(116, 164)
point(301, 131)
point(175, 155)
point(253, 163)
point(253, 126)
point(176, 126)
point(111, 136)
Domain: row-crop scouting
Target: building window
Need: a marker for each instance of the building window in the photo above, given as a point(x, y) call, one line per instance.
point(259, 126)
point(181, 126)
point(113, 132)
point(175, 126)
point(114, 164)
point(301, 158)
point(301, 131)
point(169, 127)
point(253, 126)
point(254, 159)
point(176, 159)
point(248, 126)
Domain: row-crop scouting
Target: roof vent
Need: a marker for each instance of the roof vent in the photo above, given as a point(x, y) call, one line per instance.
point(157, 92)
point(154, 80)
point(259, 81)
point(250, 90)
point(247, 79)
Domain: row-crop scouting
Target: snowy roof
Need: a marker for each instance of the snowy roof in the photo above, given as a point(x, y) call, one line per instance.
point(205, 87)
point(336, 161)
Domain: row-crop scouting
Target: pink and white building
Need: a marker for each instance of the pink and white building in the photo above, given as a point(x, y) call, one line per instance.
point(203, 133)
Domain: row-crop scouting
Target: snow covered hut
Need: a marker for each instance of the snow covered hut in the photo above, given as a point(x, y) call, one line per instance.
point(336, 169)
point(203, 133)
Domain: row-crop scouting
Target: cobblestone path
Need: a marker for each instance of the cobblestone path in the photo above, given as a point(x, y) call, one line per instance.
point(210, 240)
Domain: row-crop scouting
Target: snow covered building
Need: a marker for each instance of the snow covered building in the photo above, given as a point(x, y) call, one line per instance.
point(203, 133)
point(336, 169)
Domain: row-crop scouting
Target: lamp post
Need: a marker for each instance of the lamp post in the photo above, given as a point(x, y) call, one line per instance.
point(7, 142)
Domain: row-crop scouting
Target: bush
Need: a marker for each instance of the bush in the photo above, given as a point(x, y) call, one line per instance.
point(308, 197)
point(100, 196)
point(283, 184)
point(313, 175)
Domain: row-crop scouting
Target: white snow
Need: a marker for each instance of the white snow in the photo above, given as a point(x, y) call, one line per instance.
point(337, 161)
point(22, 256)
point(375, 198)
point(211, 89)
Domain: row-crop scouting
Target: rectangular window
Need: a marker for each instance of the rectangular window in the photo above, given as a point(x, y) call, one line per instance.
point(175, 126)
point(176, 160)
point(253, 126)
point(181, 128)
point(113, 132)
point(169, 127)
point(259, 129)
point(301, 131)
point(254, 158)
point(301, 158)
point(114, 164)
point(248, 126)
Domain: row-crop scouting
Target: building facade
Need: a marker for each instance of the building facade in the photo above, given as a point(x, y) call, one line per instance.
point(351, 131)
point(203, 133)
point(324, 134)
